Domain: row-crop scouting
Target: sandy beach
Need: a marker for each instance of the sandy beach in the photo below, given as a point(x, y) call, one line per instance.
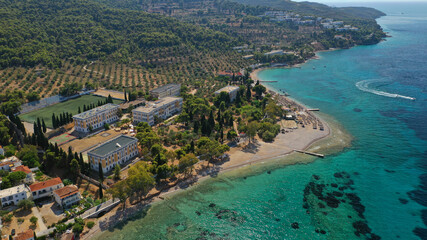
point(279, 152)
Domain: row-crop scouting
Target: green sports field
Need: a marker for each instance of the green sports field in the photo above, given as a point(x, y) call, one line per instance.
point(70, 106)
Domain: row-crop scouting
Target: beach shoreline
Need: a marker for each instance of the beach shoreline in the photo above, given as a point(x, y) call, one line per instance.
point(280, 153)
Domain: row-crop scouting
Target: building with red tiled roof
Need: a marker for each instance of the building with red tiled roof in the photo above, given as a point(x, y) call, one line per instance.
point(67, 196)
point(27, 235)
point(29, 179)
point(46, 188)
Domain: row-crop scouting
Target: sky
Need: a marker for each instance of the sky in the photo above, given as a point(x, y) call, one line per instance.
point(357, 1)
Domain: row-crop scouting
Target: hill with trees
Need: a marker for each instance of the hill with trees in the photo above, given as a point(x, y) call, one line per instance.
point(47, 32)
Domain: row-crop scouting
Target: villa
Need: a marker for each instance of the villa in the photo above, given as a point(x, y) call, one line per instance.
point(11, 196)
point(46, 188)
point(67, 196)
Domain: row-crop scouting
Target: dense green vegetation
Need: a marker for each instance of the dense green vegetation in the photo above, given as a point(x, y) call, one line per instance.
point(47, 32)
point(317, 9)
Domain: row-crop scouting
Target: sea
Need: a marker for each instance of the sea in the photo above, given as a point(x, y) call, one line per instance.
point(374, 189)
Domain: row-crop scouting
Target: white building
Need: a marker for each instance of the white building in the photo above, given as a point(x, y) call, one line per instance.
point(67, 196)
point(168, 90)
point(162, 108)
point(231, 90)
point(11, 196)
point(96, 118)
point(46, 188)
point(118, 150)
point(9, 163)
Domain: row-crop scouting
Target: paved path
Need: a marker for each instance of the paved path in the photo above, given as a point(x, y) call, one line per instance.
point(40, 222)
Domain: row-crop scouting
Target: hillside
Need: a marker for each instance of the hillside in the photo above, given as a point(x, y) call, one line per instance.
point(318, 9)
point(47, 32)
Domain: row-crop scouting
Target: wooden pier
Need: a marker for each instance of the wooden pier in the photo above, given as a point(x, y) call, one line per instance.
point(310, 153)
point(313, 109)
point(266, 81)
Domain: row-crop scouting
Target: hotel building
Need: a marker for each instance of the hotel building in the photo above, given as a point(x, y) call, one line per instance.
point(162, 108)
point(96, 117)
point(231, 90)
point(168, 90)
point(118, 150)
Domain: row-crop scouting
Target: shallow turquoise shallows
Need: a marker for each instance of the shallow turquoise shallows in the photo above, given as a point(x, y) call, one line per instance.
point(371, 190)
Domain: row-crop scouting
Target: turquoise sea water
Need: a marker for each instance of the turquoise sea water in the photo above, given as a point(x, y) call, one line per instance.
point(372, 190)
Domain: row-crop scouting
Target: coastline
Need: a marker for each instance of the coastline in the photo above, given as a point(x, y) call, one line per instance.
point(243, 161)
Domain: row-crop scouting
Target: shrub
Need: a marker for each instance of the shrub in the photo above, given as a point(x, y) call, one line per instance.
point(90, 224)
point(34, 220)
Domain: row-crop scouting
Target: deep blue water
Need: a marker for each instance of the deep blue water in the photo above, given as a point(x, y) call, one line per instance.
point(384, 193)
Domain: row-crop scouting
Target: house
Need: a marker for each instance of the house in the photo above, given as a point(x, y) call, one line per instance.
point(45, 189)
point(11, 196)
point(9, 163)
point(96, 118)
point(27, 235)
point(231, 90)
point(168, 90)
point(118, 150)
point(29, 178)
point(162, 108)
point(67, 196)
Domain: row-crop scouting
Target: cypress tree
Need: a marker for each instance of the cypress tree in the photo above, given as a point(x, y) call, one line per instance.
point(58, 122)
point(39, 125)
point(43, 126)
point(101, 194)
point(248, 92)
point(100, 172)
point(84, 108)
point(54, 121)
point(211, 120)
point(126, 97)
point(192, 148)
point(79, 110)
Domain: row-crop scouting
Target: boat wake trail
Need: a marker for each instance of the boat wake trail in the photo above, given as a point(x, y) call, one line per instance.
point(364, 86)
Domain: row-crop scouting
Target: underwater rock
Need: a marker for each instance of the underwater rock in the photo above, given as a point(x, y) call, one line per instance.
point(337, 194)
point(361, 228)
point(332, 202)
point(295, 225)
point(349, 216)
point(338, 175)
point(322, 231)
point(334, 185)
point(357, 109)
point(316, 177)
point(342, 188)
point(403, 201)
point(212, 205)
point(389, 171)
point(176, 224)
point(198, 213)
point(269, 172)
point(321, 205)
point(277, 219)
